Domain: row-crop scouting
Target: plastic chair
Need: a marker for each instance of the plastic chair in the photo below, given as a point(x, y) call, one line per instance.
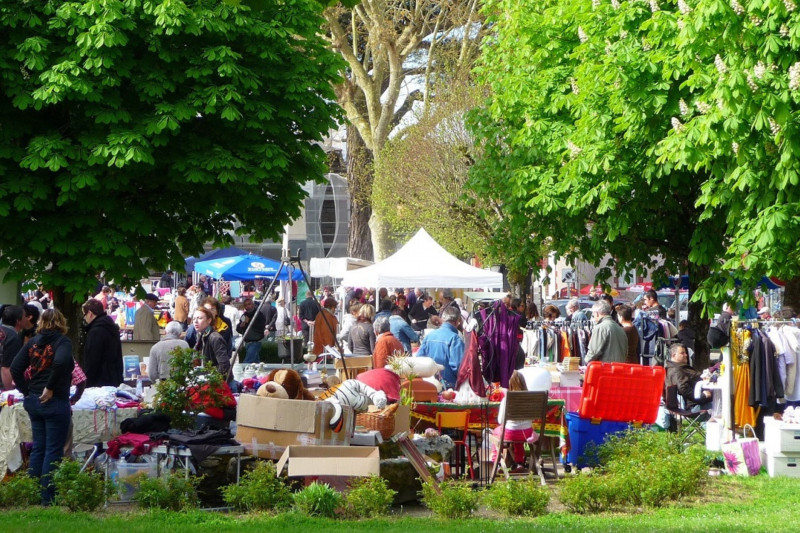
point(522, 405)
point(694, 420)
point(457, 420)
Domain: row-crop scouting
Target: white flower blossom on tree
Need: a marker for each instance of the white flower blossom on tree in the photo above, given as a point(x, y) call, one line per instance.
point(574, 85)
point(654, 6)
point(595, 4)
point(582, 35)
point(759, 70)
point(784, 30)
point(680, 24)
point(720, 64)
point(677, 125)
point(615, 4)
point(794, 76)
point(790, 5)
point(755, 20)
point(683, 107)
point(574, 150)
point(683, 7)
point(702, 107)
point(737, 7)
point(774, 127)
point(735, 147)
point(751, 83)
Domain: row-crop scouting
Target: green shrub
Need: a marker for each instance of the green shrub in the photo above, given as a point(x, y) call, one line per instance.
point(518, 498)
point(456, 500)
point(588, 493)
point(318, 499)
point(173, 492)
point(369, 497)
point(20, 491)
point(258, 490)
point(79, 491)
point(642, 468)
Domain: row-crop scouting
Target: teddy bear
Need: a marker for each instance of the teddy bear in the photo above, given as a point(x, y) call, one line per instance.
point(286, 384)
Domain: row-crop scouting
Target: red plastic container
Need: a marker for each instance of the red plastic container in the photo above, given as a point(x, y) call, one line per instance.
point(621, 392)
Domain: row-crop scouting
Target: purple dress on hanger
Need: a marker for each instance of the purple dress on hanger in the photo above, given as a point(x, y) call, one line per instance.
point(499, 343)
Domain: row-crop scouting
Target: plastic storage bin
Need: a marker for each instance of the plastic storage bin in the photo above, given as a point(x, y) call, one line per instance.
point(585, 431)
point(622, 392)
point(781, 437)
point(779, 464)
point(128, 476)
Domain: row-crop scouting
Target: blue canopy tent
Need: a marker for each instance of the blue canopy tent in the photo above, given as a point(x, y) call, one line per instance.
point(230, 251)
point(244, 267)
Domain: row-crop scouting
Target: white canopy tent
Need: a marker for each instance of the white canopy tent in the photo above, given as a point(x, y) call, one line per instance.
point(421, 262)
point(334, 267)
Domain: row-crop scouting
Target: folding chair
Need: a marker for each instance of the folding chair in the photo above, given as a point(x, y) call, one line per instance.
point(457, 420)
point(521, 405)
point(694, 420)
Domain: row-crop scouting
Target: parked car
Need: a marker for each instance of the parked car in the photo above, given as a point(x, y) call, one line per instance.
point(667, 299)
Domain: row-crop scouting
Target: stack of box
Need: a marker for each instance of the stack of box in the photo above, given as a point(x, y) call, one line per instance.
point(782, 444)
point(615, 397)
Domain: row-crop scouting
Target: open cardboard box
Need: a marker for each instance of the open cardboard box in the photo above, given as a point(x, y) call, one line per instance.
point(267, 426)
point(330, 461)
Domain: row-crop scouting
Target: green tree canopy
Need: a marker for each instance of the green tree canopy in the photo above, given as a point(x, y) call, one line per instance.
point(132, 132)
point(646, 130)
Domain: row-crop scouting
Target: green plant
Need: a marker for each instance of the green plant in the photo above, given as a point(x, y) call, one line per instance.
point(453, 500)
point(191, 387)
point(79, 491)
point(518, 498)
point(588, 493)
point(259, 490)
point(20, 491)
point(369, 497)
point(318, 499)
point(173, 492)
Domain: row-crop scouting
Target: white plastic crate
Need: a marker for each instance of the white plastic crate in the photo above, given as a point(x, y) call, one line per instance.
point(779, 464)
point(780, 437)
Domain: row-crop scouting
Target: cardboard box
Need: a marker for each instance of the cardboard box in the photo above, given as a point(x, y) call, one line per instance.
point(267, 426)
point(402, 419)
point(330, 461)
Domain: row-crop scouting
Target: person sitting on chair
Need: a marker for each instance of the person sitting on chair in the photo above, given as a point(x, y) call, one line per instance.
point(681, 375)
point(516, 430)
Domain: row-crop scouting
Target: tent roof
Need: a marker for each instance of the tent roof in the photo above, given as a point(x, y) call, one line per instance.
point(230, 251)
point(334, 267)
point(421, 262)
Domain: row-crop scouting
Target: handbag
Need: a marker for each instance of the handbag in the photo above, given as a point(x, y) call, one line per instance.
point(742, 457)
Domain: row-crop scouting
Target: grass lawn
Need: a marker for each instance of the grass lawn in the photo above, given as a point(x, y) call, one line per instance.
point(741, 504)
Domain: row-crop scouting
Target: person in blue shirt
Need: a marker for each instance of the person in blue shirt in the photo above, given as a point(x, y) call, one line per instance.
point(401, 330)
point(445, 346)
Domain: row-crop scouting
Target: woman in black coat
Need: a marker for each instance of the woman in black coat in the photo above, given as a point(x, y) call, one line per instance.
point(42, 371)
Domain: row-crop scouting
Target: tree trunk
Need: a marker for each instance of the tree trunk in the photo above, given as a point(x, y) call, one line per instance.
point(359, 184)
point(697, 321)
point(64, 302)
point(382, 244)
point(791, 294)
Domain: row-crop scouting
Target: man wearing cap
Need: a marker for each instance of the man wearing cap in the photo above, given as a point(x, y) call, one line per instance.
point(763, 313)
point(145, 326)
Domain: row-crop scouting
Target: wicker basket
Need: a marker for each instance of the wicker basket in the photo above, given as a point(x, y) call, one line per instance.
point(378, 422)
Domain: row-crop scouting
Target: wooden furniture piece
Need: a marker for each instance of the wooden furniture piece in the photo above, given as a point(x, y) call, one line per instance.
point(459, 421)
point(521, 405)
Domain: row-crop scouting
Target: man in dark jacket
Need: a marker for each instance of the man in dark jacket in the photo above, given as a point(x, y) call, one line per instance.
point(253, 337)
point(681, 375)
point(270, 317)
point(102, 353)
point(10, 340)
point(308, 313)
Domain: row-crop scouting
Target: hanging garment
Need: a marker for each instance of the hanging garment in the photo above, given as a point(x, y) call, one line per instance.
point(500, 333)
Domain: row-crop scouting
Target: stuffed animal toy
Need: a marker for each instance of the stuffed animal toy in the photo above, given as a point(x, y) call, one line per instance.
point(355, 394)
point(270, 389)
point(290, 381)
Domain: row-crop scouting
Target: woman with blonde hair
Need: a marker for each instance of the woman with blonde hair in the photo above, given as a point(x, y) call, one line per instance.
point(517, 430)
point(362, 334)
point(46, 389)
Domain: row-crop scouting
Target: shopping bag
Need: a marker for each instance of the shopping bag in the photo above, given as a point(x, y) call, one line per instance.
point(742, 457)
